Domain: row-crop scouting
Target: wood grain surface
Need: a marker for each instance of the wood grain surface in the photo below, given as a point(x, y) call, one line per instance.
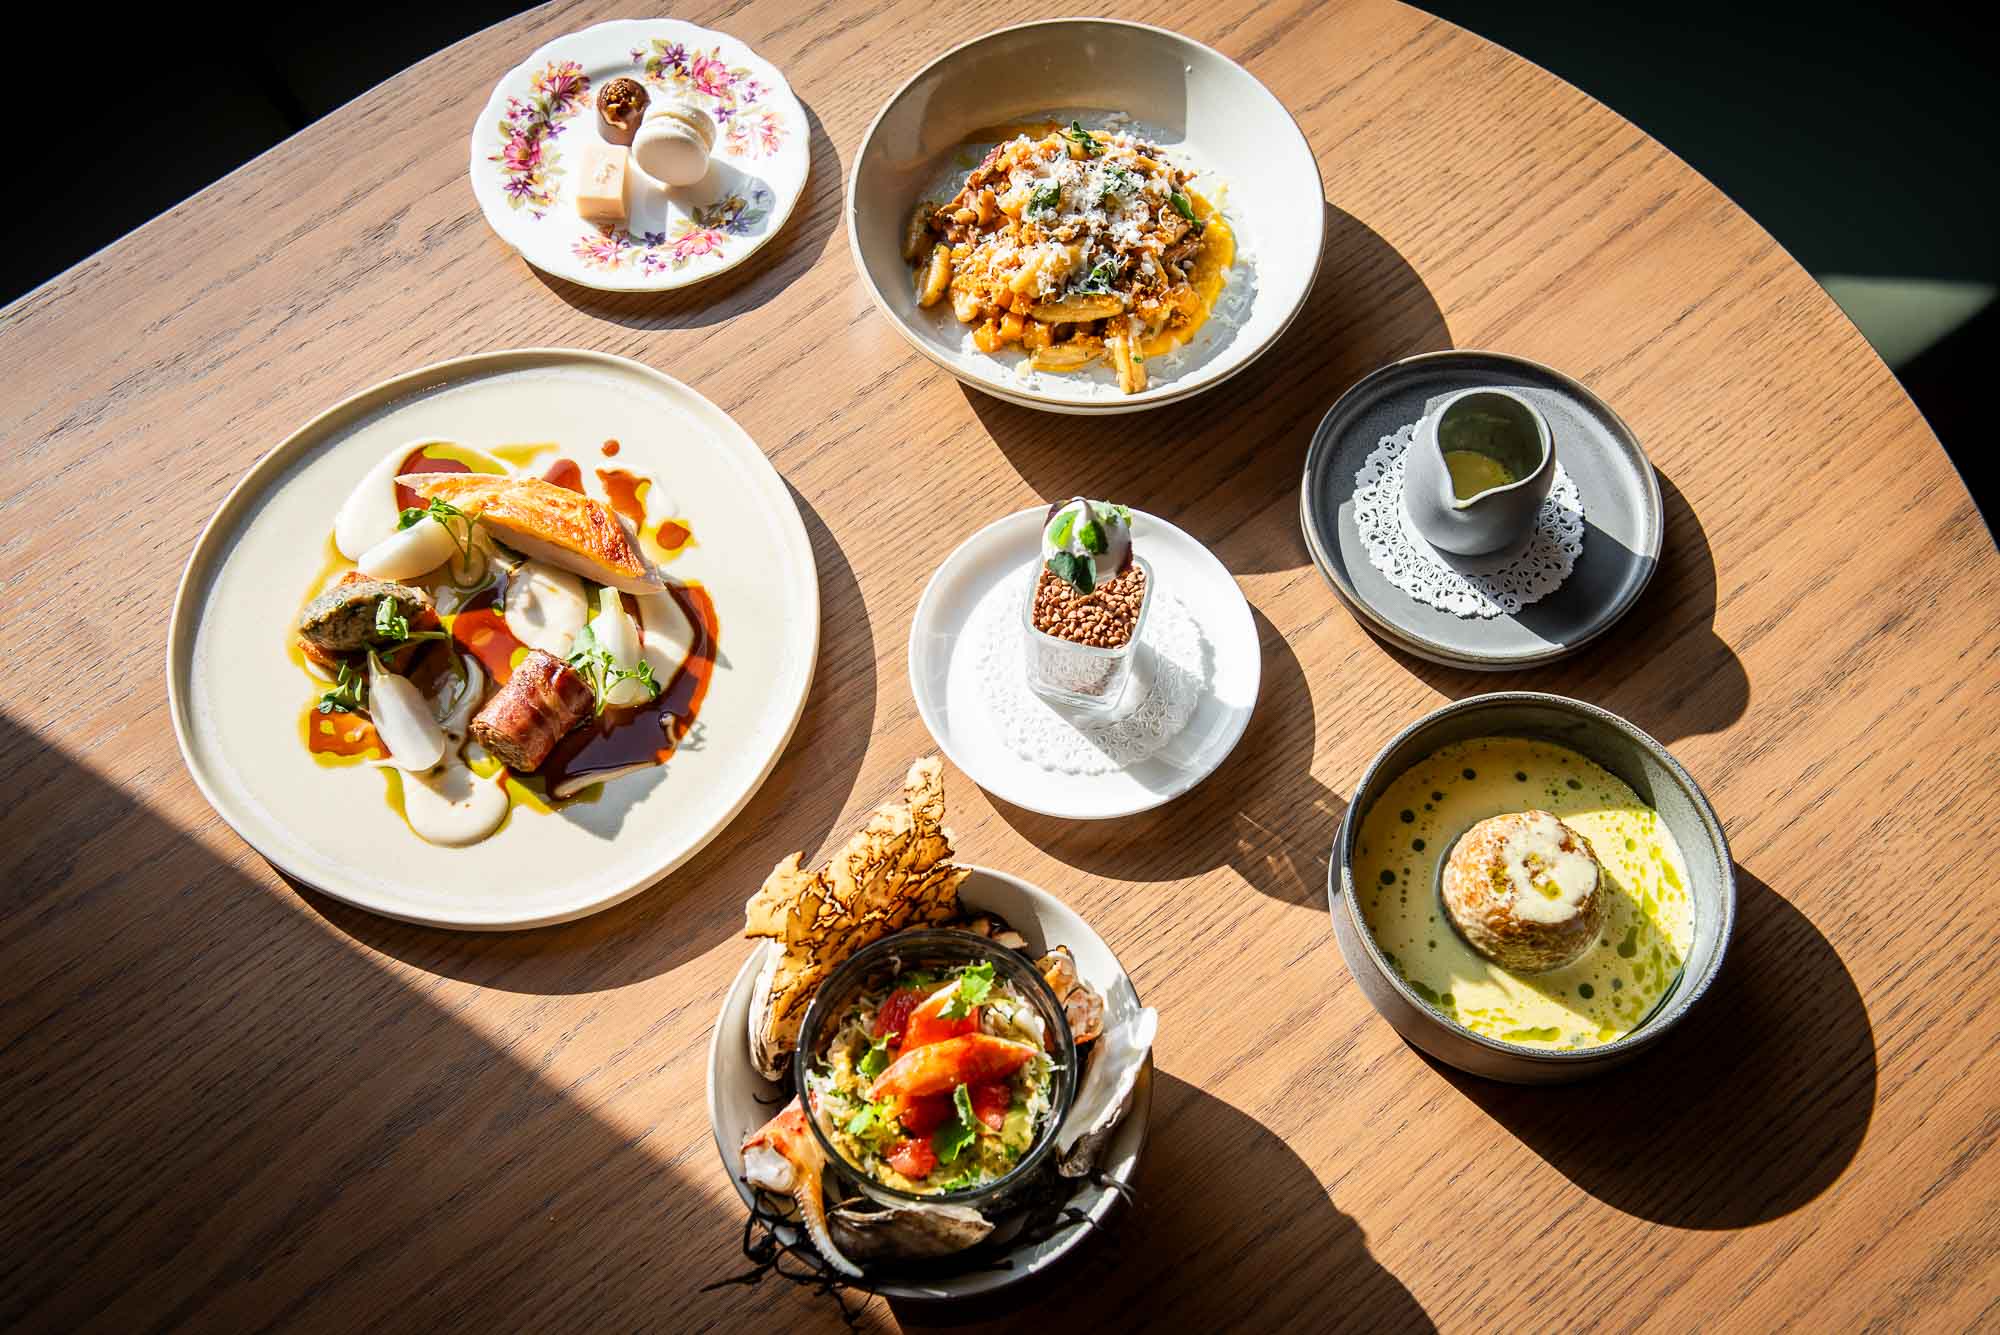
point(230, 1104)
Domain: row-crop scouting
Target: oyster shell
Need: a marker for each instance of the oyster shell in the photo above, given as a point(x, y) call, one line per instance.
point(1105, 1095)
point(869, 1232)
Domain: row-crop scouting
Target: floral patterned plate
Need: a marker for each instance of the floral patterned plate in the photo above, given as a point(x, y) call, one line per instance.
point(532, 128)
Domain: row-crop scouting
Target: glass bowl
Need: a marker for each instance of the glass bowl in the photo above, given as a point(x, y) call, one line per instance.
point(875, 966)
point(1084, 677)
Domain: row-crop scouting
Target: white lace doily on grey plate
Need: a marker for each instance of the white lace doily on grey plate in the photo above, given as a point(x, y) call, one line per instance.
point(1467, 586)
point(1169, 673)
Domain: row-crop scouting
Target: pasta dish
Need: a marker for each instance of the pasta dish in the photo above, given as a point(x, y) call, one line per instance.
point(1081, 247)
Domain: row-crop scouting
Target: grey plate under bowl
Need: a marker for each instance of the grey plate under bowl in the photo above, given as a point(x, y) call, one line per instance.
point(1623, 521)
point(1649, 770)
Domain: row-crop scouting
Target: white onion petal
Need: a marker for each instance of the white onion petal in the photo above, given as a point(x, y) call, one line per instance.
point(409, 552)
point(402, 719)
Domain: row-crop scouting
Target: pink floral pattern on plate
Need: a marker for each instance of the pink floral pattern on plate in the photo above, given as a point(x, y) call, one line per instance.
point(527, 158)
point(705, 232)
point(731, 91)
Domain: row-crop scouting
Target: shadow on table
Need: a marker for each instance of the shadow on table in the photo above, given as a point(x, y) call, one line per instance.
point(1750, 1110)
point(1262, 812)
point(1231, 1227)
point(219, 1115)
point(1216, 463)
point(1662, 666)
point(700, 903)
point(773, 268)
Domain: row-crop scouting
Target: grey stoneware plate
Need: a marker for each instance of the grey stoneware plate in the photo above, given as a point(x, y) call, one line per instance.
point(1649, 770)
point(1623, 521)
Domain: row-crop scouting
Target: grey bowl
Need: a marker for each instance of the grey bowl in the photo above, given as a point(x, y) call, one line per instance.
point(1649, 770)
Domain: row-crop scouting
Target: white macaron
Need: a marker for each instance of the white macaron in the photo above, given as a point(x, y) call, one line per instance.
point(673, 143)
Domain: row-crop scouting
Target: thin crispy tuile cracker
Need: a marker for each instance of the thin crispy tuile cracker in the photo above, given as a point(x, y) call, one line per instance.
point(894, 874)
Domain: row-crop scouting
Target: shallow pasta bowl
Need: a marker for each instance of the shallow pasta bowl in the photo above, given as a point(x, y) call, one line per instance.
point(1633, 757)
point(1207, 111)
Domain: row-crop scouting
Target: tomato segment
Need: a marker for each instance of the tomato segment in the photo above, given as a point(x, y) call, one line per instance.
point(928, 1024)
point(938, 1067)
point(924, 1114)
point(990, 1101)
point(894, 1017)
point(913, 1158)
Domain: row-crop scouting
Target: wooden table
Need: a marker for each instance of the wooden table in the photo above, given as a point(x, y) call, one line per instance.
point(232, 1104)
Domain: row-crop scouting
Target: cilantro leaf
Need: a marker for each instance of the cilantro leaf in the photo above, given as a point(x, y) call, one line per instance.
point(1083, 139)
point(349, 693)
point(951, 1139)
point(861, 1121)
point(1079, 572)
point(1185, 209)
point(876, 1060)
point(973, 985)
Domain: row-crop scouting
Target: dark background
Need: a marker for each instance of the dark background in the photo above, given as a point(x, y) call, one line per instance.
point(1862, 136)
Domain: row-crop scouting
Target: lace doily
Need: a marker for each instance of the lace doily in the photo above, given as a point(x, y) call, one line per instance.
point(1467, 586)
point(1170, 670)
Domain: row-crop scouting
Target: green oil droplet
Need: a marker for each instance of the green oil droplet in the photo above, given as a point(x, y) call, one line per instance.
point(1409, 816)
point(1630, 945)
point(1520, 777)
point(1572, 783)
point(1586, 991)
point(1388, 877)
point(1417, 844)
point(1471, 774)
point(1437, 797)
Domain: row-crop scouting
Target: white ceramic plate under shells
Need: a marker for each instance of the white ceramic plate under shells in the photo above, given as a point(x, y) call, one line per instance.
point(526, 144)
point(237, 696)
point(1209, 113)
point(740, 1100)
point(945, 672)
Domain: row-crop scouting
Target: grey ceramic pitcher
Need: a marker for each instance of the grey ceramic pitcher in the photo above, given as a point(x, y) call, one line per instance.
point(1508, 430)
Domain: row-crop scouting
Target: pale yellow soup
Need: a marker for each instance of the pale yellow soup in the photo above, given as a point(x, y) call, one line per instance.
point(1648, 920)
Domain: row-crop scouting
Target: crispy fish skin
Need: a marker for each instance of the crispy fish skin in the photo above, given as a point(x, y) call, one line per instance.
point(894, 874)
point(546, 522)
point(342, 619)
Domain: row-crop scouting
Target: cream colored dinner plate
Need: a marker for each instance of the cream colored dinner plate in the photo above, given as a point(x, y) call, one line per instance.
point(237, 697)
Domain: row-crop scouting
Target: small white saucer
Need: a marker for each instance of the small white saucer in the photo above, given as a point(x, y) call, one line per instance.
point(944, 672)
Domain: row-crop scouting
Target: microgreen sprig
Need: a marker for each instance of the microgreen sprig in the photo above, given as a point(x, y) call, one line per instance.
point(1083, 139)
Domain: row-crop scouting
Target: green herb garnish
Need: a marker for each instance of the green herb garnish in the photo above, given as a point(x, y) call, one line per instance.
point(1079, 572)
point(861, 1121)
point(1185, 209)
point(1046, 199)
point(461, 538)
point(951, 1139)
point(1083, 139)
point(1091, 534)
point(349, 693)
point(1118, 182)
point(390, 623)
point(876, 1060)
point(594, 663)
point(973, 985)
point(1122, 513)
point(1100, 277)
point(1059, 535)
